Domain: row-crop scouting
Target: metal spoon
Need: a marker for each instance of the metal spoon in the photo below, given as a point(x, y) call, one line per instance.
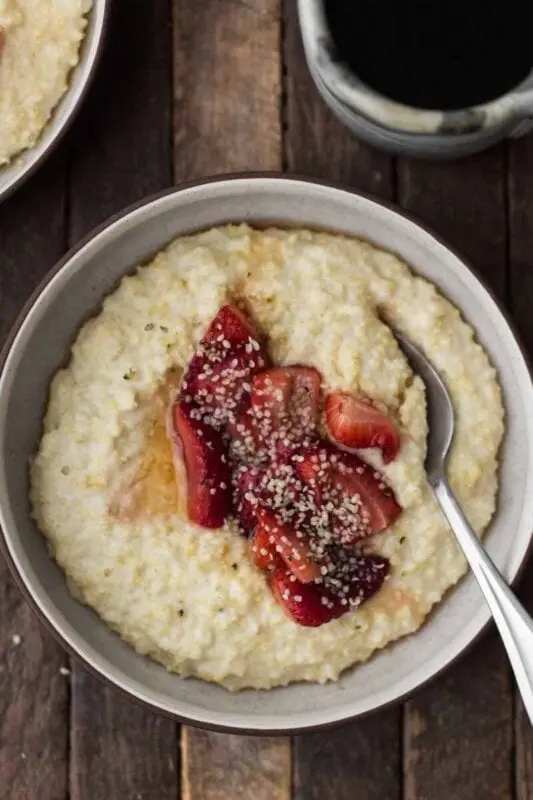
point(513, 622)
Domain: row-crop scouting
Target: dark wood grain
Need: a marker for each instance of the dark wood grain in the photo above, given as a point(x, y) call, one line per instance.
point(463, 201)
point(119, 750)
point(458, 732)
point(227, 73)
point(523, 730)
point(520, 189)
point(122, 152)
point(122, 143)
point(33, 692)
point(361, 760)
point(227, 82)
point(222, 767)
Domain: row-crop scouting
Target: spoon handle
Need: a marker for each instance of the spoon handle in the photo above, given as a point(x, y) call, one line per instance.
point(513, 622)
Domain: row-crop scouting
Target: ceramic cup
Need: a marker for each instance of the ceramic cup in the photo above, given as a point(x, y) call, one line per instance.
point(399, 128)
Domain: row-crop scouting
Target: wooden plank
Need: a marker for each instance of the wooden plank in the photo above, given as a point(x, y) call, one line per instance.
point(122, 149)
point(463, 201)
point(118, 748)
point(34, 694)
point(521, 294)
point(121, 153)
point(222, 766)
point(361, 759)
point(227, 76)
point(524, 736)
point(227, 79)
point(458, 732)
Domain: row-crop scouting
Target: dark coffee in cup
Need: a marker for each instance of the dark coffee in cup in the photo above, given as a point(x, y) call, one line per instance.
point(434, 54)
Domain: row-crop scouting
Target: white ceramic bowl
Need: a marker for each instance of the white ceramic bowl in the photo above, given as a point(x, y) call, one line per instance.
point(23, 165)
point(40, 343)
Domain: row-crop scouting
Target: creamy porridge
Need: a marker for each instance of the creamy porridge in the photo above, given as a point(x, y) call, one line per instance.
point(39, 46)
point(191, 598)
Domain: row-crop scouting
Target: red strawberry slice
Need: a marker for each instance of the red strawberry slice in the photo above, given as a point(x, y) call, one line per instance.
point(288, 398)
point(200, 456)
point(305, 400)
point(247, 496)
point(313, 469)
point(259, 486)
point(225, 384)
point(346, 516)
point(233, 326)
point(358, 479)
point(220, 373)
point(271, 394)
point(311, 604)
point(242, 431)
point(356, 423)
point(345, 481)
point(263, 550)
point(291, 545)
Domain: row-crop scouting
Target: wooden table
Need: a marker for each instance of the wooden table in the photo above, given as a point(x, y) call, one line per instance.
point(186, 89)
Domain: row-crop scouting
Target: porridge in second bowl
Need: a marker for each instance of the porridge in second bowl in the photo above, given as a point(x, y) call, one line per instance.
point(232, 466)
point(39, 46)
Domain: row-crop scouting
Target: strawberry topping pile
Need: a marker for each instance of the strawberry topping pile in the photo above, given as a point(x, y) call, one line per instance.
point(247, 444)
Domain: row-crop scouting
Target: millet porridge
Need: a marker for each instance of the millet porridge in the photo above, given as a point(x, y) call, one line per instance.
point(189, 597)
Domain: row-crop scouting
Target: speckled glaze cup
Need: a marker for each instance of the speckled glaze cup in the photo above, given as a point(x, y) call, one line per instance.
point(41, 340)
point(402, 129)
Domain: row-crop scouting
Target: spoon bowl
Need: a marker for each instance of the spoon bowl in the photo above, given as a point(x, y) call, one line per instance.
point(440, 414)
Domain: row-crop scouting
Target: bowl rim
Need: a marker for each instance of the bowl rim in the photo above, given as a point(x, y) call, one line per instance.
point(58, 124)
point(5, 350)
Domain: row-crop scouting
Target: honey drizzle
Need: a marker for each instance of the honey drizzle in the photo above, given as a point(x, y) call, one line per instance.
point(148, 487)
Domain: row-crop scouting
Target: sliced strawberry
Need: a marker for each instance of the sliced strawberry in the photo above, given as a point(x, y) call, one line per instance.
point(303, 602)
point(220, 374)
point(361, 502)
point(312, 604)
point(305, 400)
point(233, 326)
point(242, 431)
point(247, 496)
point(347, 518)
point(287, 398)
point(201, 456)
point(258, 486)
point(360, 480)
point(271, 395)
point(226, 384)
point(357, 423)
point(292, 546)
point(263, 550)
point(313, 470)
